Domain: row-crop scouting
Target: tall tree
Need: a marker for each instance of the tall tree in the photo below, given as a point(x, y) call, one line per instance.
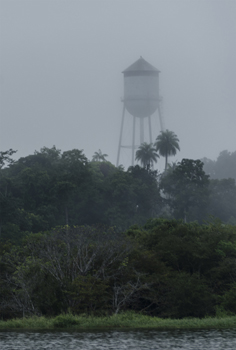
point(187, 189)
point(222, 203)
point(99, 156)
point(147, 155)
point(167, 144)
point(5, 157)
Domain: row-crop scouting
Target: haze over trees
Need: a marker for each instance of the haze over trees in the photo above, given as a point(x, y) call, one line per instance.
point(51, 188)
point(222, 168)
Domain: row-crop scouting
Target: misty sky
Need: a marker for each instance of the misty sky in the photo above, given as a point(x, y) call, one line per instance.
point(61, 64)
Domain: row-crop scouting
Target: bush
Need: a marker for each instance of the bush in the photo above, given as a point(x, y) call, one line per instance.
point(229, 300)
point(65, 321)
point(189, 297)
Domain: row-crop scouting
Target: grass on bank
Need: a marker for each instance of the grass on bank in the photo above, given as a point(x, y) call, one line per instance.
point(123, 320)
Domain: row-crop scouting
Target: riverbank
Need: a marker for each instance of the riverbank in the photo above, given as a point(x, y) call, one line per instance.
point(124, 320)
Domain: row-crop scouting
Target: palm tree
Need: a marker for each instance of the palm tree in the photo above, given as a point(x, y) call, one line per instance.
point(167, 144)
point(147, 155)
point(99, 157)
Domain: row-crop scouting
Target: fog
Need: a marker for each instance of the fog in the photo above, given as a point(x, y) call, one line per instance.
point(61, 80)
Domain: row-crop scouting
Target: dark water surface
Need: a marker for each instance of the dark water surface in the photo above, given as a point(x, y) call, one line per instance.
point(118, 340)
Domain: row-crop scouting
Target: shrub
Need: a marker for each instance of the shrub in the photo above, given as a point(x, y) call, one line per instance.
point(65, 321)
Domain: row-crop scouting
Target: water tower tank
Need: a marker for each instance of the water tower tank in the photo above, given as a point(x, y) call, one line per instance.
point(141, 88)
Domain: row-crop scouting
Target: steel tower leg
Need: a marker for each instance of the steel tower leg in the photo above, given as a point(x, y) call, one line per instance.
point(160, 117)
point(133, 141)
point(150, 129)
point(121, 131)
point(141, 131)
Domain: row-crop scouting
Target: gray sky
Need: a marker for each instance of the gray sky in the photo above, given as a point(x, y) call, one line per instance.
point(61, 64)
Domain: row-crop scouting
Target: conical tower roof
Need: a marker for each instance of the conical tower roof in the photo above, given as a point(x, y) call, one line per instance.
point(141, 66)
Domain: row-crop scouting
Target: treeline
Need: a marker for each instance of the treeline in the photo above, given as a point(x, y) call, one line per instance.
point(87, 237)
point(51, 188)
point(223, 167)
point(164, 268)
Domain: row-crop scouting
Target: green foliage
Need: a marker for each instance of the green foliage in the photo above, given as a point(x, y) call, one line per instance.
point(222, 200)
point(167, 144)
point(65, 321)
point(186, 190)
point(67, 268)
point(5, 157)
point(190, 296)
point(166, 268)
point(51, 188)
point(124, 320)
point(187, 266)
point(89, 294)
point(148, 200)
point(86, 264)
point(147, 155)
point(228, 300)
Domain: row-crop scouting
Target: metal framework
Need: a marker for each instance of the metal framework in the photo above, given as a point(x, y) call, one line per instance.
point(133, 146)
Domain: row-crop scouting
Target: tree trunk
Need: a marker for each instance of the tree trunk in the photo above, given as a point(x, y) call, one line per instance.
point(66, 214)
point(166, 162)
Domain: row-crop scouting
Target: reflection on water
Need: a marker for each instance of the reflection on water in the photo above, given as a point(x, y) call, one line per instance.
point(118, 340)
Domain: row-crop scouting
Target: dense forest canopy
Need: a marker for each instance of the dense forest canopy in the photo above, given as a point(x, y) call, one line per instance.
point(164, 268)
point(51, 188)
point(86, 236)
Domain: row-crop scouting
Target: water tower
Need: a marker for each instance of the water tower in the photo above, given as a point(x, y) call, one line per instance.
point(141, 100)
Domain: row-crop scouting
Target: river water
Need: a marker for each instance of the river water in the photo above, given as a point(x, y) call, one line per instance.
point(119, 340)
